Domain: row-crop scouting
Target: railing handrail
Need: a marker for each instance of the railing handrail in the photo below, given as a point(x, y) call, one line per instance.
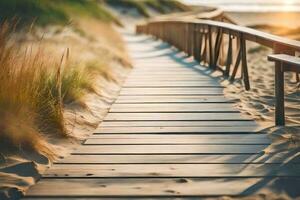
point(263, 38)
point(204, 39)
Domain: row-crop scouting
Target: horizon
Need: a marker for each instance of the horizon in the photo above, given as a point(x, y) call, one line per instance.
point(253, 6)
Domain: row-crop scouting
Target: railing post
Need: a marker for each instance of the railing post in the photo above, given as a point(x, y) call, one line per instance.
point(237, 61)
point(196, 42)
point(191, 42)
point(205, 43)
point(210, 50)
point(200, 37)
point(217, 46)
point(244, 63)
point(279, 95)
point(229, 55)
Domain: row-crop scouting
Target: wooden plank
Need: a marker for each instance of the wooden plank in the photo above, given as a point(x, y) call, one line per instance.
point(192, 73)
point(175, 117)
point(136, 73)
point(169, 78)
point(172, 99)
point(149, 70)
point(179, 107)
point(278, 158)
point(178, 123)
point(287, 60)
point(170, 149)
point(173, 170)
point(150, 83)
point(178, 130)
point(155, 187)
point(116, 139)
point(165, 73)
point(171, 91)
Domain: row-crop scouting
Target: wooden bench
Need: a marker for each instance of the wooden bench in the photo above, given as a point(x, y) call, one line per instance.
point(283, 63)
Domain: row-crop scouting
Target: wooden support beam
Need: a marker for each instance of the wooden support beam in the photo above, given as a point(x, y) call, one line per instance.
point(218, 43)
point(197, 43)
point(200, 45)
point(237, 64)
point(211, 55)
point(204, 53)
point(283, 63)
point(244, 63)
point(229, 56)
point(279, 94)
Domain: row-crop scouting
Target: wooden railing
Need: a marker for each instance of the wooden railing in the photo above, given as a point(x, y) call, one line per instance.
point(219, 45)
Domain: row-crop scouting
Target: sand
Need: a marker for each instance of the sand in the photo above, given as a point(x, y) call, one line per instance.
point(18, 172)
point(259, 101)
point(289, 19)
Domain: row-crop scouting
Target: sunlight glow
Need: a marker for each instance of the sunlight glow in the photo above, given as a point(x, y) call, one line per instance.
point(288, 5)
point(289, 2)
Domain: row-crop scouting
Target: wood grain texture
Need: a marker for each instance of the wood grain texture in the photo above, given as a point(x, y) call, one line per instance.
point(151, 83)
point(278, 158)
point(173, 170)
point(172, 99)
point(178, 129)
point(155, 187)
point(175, 117)
point(171, 91)
point(178, 139)
point(182, 107)
point(170, 149)
point(179, 123)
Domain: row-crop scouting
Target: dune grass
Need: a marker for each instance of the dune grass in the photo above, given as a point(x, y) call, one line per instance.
point(30, 100)
point(142, 6)
point(46, 12)
point(34, 89)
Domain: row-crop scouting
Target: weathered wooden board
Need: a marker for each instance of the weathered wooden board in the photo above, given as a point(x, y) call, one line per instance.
point(181, 159)
point(170, 149)
point(155, 187)
point(172, 99)
point(171, 91)
point(178, 139)
point(162, 84)
point(178, 123)
point(173, 170)
point(168, 78)
point(175, 117)
point(165, 72)
point(179, 130)
point(179, 107)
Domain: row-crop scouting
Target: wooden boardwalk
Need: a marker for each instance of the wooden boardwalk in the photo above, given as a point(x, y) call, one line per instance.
point(171, 133)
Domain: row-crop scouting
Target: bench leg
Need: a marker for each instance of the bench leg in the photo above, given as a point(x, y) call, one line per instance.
point(279, 95)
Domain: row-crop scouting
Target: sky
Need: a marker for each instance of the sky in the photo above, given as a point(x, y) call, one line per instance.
point(251, 5)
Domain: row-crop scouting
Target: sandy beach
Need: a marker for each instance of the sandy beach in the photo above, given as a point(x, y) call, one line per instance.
point(19, 170)
point(285, 19)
